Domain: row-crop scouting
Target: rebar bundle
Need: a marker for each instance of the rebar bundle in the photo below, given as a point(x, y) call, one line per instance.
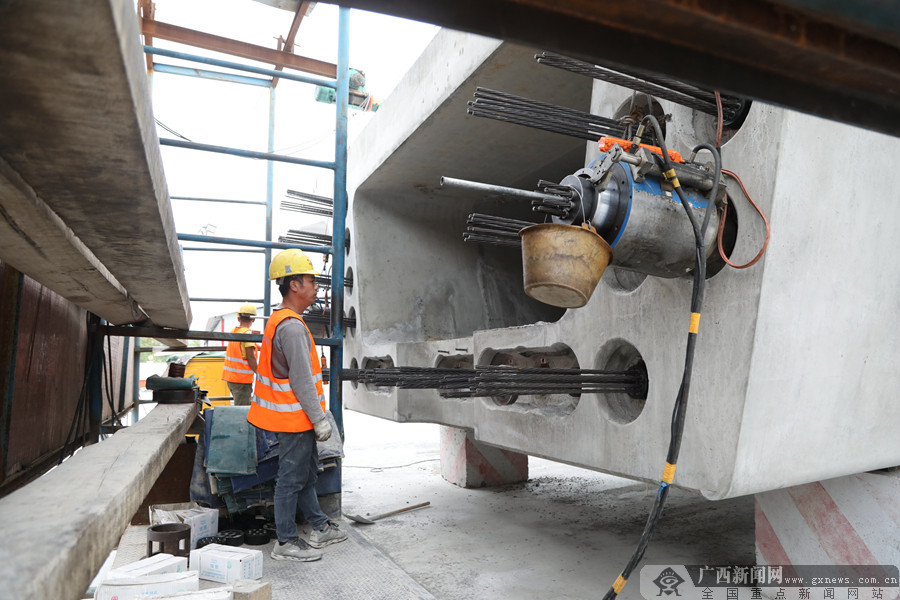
point(325, 281)
point(295, 236)
point(499, 381)
point(649, 83)
point(308, 203)
point(323, 317)
point(541, 115)
point(497, 231)
point(555, 207)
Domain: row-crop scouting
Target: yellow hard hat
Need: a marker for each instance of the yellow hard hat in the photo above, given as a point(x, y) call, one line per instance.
point(290, 262)
point(247, 309)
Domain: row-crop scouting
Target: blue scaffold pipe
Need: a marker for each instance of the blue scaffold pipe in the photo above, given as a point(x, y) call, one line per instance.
point(246, 153)
point(190, 237)
point(329, 83)
point(212, 75)
point(340, 218)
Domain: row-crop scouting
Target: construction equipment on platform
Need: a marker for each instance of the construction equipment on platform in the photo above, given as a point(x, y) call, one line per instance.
point(359, 97)
point(627, 198)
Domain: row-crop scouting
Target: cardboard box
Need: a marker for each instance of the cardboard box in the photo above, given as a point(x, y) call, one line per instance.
point(217, 562)
point(204, 522)
point(132, 588)
point(158, 564)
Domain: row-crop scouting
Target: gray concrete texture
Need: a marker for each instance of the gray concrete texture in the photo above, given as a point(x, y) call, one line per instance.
point(795, 358)
point(83, 196)
point(566, 533)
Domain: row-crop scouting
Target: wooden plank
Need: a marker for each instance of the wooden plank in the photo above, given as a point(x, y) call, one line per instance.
point(199, 39)
point(59, 529)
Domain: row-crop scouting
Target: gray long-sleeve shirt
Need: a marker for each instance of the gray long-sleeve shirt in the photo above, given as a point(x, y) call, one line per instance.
point(290, 359)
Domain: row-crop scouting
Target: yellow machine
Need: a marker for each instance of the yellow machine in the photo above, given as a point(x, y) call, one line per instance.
point(207, 366)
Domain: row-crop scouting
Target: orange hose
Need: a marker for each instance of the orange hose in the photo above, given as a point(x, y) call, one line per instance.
point(722, 226)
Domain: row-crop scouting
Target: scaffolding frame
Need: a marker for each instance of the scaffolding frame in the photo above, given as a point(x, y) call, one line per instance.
point(340, 83)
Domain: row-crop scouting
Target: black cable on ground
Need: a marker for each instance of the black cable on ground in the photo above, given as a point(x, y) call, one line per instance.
point(680, 408)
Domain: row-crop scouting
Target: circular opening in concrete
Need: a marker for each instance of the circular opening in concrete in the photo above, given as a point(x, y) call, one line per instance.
point(623, 281)
point(620, 355)
point(378, 362)
point(557, 356)
point(351, 329)
point(354, 365)
point(348, 281)
point(636, 107)
point(714, 263)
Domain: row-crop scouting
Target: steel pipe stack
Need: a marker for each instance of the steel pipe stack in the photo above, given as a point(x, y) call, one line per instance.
point(308, 203)
point(652, 84)
point(500, 381)
point(295, 236)
point(541, 115)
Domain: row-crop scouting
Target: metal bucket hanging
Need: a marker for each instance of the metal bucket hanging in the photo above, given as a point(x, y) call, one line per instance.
point(562, 264)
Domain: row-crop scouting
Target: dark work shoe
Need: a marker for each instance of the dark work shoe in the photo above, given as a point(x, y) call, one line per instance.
point(332, 534)
point(295, 549)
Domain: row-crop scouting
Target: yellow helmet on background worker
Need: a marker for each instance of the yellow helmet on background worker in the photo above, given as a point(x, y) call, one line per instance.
point(247, 309)
point(290, 262)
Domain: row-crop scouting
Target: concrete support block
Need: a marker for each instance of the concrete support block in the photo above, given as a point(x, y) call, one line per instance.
point(247, 589)
point(468, 463)
point(852, 520)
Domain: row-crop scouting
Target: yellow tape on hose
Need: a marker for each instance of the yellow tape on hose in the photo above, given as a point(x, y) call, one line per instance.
point(695, 322)
point(619, 584)
point(668, 473)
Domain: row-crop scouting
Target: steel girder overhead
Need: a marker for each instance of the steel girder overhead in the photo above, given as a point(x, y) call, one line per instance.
point(84, 208)
point(839, 60)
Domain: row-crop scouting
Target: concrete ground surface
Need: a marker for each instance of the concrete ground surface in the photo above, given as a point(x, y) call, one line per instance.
point(566, 533)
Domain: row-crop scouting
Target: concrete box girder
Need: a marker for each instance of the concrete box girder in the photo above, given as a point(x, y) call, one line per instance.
point(789, 351)
point(76, 125)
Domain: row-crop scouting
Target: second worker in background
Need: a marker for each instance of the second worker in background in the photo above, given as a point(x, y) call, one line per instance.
point(289, 399)
point(240, 359)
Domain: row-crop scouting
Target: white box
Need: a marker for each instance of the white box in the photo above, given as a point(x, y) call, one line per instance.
point(158, 564)
point(222, 593)
point(132, 588)
point(204, 522)
point(217, 562)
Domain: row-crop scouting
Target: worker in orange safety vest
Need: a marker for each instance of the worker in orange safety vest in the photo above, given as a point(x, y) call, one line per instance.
point(289, 399)
point(240, 359)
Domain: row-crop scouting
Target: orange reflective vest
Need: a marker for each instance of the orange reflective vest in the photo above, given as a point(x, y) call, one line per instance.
point(274, 407)
point(236, 368)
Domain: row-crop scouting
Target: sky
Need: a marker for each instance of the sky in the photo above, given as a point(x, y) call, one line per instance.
point(235, 115)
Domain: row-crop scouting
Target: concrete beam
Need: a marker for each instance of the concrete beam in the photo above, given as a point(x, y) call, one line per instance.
point(34, 239)
point(59, 529)
point(835, 60)
point(78, 128)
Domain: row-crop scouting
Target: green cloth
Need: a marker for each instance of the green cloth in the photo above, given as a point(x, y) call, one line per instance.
point(232, 442)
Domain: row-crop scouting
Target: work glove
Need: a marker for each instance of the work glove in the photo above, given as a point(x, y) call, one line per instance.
point(322, 429)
